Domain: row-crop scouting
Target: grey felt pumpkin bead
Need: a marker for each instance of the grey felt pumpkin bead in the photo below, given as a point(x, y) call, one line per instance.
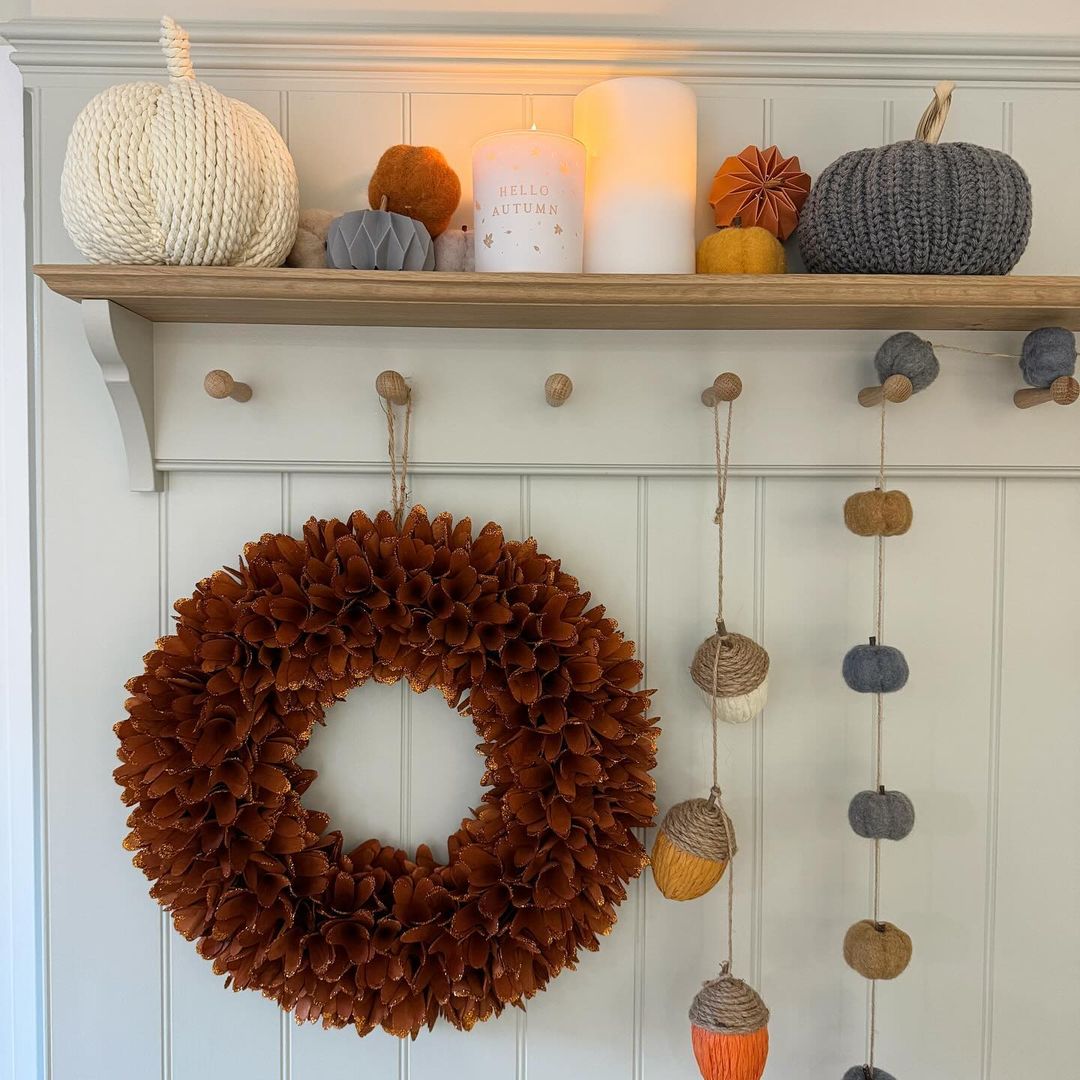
point(881, 815)
point(875, 669)
point(378, 240)
point(864, 1072)
point(907, 354)
point(1047, 354)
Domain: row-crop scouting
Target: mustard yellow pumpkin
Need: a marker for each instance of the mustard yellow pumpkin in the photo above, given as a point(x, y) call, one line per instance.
point(741, 251)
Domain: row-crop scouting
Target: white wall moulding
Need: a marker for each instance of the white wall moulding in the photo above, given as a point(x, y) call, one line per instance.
point(126, 47)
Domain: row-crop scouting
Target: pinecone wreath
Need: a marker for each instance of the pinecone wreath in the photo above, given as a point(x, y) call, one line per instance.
point(371, 936)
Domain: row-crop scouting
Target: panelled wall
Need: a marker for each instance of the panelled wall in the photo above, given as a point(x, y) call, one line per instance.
point(981, 596)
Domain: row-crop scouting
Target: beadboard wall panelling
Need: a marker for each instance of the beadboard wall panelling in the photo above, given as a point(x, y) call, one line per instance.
point(1034, 940)
point(616, 483)
point(681, 942)
point(208, 519)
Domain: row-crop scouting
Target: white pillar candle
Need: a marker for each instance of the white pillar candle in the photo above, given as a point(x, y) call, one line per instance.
point(640, 135)
point(529, 198)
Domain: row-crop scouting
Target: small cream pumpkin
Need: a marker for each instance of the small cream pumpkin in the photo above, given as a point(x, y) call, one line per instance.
point(178, 174)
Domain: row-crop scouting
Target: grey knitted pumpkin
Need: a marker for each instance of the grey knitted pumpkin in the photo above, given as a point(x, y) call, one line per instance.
point(378, 240)
point(918, 207)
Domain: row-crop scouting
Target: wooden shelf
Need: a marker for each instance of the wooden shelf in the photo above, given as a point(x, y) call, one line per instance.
point(574, 301)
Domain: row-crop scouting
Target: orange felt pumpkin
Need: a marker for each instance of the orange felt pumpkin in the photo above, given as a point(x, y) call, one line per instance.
point(760, 187)
point(416, 181)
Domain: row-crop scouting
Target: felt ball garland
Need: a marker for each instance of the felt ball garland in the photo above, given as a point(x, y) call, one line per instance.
point(874, 948)
point(695, 843)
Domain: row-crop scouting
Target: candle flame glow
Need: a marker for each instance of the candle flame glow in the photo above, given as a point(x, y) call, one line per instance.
point(533, 128)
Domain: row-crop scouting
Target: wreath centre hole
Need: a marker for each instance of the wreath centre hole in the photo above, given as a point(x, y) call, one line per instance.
point(396, 765)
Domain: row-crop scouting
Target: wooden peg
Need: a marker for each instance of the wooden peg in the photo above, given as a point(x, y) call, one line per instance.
point(895, 388)
point(725, 387)
point(392, 387)
point(220, 384)
point(557, 389)
point(1064, 390)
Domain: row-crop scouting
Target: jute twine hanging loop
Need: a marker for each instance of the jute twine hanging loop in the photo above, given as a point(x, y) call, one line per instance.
point(731, 669)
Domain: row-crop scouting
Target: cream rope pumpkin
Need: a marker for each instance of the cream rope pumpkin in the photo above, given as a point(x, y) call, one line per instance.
point(178, 174)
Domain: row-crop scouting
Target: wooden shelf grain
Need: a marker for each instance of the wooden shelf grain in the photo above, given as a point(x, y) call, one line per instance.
point(574, 301)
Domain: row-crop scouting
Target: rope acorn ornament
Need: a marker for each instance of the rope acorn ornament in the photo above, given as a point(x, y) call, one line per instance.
point(874, 948)
point(696, 839)
point(729, 1029)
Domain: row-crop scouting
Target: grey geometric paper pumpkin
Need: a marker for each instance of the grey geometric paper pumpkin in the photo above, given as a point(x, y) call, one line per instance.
point(918, 207)
point(378, 240)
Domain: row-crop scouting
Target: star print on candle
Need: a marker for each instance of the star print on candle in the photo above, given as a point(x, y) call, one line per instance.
point(558, 228)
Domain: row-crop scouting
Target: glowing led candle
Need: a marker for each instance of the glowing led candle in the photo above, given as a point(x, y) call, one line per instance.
point(640, 136)
point(529, 197)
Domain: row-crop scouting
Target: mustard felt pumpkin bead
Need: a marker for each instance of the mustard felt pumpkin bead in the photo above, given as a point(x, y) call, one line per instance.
point(694, 844)
point(741, 251)
point(877, 950)
point(878, 513)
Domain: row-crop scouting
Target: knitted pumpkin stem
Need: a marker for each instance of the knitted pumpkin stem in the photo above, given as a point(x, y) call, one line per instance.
point(932, 121)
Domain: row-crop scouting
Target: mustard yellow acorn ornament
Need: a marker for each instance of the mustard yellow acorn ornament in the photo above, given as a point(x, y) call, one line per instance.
point(694, 844)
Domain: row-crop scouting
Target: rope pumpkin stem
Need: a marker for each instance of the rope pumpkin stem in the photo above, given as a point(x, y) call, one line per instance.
point(176, 45)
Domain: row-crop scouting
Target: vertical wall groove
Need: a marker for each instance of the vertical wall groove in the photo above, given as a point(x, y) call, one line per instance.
point(285, 1027)
point(41, 767)
point(640, 892)
point(165, 922)
point(758, 759)
point(993, 778)
point(521, 1016)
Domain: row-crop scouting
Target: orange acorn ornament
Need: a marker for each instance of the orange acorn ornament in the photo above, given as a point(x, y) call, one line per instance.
point(762, 188)
point(729, 1029)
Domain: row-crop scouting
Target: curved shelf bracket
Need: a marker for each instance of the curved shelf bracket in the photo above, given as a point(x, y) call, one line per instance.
point(123, 344)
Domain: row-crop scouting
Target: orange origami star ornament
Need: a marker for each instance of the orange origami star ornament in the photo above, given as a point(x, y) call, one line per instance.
point(760, 187)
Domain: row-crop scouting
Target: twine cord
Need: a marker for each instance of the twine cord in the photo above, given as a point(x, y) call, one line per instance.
point(399, 464)
point(976, 352)
point(723, 457)
point(879, 724)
